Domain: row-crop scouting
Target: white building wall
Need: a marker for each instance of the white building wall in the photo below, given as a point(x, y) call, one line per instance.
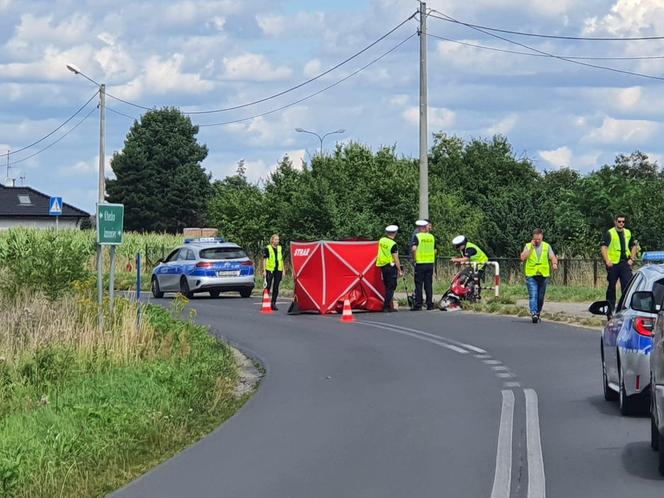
point(6, 223)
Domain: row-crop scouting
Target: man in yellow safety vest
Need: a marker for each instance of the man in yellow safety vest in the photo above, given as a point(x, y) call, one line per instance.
point(619, 251)
point(536, 255)
point(423, 251)
point(389, 264)
point(273, 264)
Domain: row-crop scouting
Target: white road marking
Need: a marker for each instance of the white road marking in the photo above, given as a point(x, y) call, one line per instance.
point(502, 478)
point(500, 368)
point(493, 362)
point(473, 348)
point(536, 478)
point(437, 342)
point(505, 375)
point(511, 384)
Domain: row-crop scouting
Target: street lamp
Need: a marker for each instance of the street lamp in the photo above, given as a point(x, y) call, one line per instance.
point(321, 138)
point(101, 186)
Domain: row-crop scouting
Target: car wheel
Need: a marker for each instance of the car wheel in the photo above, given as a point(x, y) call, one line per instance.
point(184, 288)
point(246, 292)
point(215, 293)
point(626, 404)
point(654, 434)
point(661, 454)
point(156, 291)
point(609, 394)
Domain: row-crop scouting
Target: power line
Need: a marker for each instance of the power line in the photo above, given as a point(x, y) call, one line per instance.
point(559, 57)
point(58, 128)
point(121, 113)
point(283, 92)
point(55, 141)
point(540, 35)
point(385, 54)
point(518, 52)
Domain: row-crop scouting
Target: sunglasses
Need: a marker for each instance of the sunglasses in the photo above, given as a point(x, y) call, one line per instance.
point(620, 221)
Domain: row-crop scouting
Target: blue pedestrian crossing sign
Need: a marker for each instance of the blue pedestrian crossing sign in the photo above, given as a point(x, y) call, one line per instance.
point(55, 206)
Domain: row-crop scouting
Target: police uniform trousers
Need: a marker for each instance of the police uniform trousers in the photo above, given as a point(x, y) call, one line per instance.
point(424, 279)
point(390, 274)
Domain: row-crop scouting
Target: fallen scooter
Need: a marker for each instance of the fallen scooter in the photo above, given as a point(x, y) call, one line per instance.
point(465, 286)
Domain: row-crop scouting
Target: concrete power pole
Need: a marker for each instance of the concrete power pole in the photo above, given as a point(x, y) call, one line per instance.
point(102, 187)
point(424, 149)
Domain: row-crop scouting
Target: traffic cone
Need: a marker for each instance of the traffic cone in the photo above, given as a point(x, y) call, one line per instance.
point(347, 313)
point(266, 307)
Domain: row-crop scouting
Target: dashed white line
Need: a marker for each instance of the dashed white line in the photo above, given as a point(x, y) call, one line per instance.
point(493, 362)
point(482, 356)
point(437, 341)
point(536, 478)
point(500, 368)
point(502, 478)
point(505, 375)
point(511, 384)
point(475, 349)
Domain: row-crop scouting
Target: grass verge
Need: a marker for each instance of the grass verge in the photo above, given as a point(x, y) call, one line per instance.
point(83, 412)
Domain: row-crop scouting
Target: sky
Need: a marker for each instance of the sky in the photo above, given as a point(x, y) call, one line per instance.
point(213, 54)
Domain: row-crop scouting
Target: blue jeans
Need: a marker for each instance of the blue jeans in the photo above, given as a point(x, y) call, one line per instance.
point(536, 291)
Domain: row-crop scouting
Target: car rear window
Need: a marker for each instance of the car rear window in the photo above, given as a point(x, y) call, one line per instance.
point(220, 253)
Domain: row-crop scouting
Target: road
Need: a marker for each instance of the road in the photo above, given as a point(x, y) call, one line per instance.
point(426, 404)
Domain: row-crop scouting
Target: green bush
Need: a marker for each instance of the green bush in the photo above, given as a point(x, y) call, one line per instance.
point(44, 261)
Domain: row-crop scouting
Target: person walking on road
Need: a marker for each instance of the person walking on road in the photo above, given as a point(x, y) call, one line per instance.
point(423, 251)
point(389, 264)
point(619, 250)
point(536, 255)
point(273, 264)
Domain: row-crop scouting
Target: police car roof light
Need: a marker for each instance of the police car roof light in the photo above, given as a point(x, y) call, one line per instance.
point(204, 240)
point(653, 256)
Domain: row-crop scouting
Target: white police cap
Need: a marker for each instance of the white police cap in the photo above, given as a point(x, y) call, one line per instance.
point(421, 223)
point(391, 228)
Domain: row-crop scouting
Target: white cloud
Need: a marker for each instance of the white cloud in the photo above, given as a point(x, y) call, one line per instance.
point(439, 118)
point(312, 68)
point(399, 100)
point(504, 126)
point(558, 158)
point(633, 17)
point(298, 24)
point(87, 168)
point(34, 33)
point(626, 131)
point(190, 12)
point(253, 67)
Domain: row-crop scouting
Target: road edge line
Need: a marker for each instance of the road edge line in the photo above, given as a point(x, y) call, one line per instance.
point(536, 477)
point(502, 479)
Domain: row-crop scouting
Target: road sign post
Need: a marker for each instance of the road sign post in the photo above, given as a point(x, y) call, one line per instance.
point(110, 232)
point(55, 209)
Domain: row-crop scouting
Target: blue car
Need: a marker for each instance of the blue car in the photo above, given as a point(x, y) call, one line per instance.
point(204, 265)
point(627, 341)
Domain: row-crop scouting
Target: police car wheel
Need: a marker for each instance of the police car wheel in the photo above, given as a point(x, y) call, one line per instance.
point(156, 291)
point(184, 288)
point(654, 434)
point(246, 292)
point(215, 293)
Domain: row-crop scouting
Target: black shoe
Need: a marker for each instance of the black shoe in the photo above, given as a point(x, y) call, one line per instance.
point(274, 307)
point(430, 307)
point(416, 308)
point(535, 318)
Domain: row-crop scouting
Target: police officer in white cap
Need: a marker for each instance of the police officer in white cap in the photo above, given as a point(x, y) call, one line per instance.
point(423, 250)
point(389, 264)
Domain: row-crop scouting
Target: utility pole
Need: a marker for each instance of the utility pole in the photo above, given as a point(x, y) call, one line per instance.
point(101, 197)
point(7, 178)
point(424, 149)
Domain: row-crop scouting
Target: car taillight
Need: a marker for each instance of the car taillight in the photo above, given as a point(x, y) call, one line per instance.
point(644, 326)
point(204, 264)
point(247, 263)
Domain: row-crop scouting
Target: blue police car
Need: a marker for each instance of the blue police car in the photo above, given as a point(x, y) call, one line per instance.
point(204, 265)
point(626, 341)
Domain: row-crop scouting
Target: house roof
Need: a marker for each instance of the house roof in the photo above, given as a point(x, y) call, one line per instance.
point(35, 204)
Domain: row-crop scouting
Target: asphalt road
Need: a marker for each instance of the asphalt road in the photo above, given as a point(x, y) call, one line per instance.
point(426, 404)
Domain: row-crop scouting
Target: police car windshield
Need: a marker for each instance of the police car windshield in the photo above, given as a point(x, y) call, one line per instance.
point(220, 253)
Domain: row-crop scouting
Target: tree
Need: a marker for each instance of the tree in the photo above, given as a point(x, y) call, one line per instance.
point(158, 174)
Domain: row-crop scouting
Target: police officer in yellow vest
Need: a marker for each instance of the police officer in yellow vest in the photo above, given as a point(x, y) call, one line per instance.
point(423, 250)
point(273, 264)
point(619, 251)
point(470, 253)
point(389, 264)
point(536, 255)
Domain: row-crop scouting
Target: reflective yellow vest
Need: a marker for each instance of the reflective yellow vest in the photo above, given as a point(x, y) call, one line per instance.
point(385, 245)
point(614, 246)
point(480, 256)
point(274, 260)
point(538, 266)
point(426, 248)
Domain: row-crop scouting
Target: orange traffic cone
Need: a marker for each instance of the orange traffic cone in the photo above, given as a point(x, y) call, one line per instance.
point(347, 314)
point(266, 307)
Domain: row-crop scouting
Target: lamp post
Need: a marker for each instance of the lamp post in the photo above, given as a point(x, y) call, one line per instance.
point(321, 138)
point(102, 181)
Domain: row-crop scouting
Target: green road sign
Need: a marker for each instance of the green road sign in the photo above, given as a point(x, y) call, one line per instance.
point(110, 224)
